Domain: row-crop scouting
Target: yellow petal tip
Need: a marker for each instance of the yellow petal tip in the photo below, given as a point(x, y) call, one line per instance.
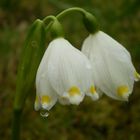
point(122, 91)
point(137, 76)
point(74, 91)
point(92, 90)
point(45, 99)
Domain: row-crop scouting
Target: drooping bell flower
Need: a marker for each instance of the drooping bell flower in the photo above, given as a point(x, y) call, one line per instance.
point(114, 73)
point(64, 74)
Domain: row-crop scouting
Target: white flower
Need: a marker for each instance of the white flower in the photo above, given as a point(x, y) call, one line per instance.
point(46, 97)
point(113, 71)
point(64, 74)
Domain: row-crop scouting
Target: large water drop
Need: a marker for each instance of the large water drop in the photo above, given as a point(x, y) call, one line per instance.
point(44, 113)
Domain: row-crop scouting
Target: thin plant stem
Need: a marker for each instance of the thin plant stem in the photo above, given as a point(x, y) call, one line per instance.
point(16, 124)
point(67, 11)
point(18, 105)
point(63, 13)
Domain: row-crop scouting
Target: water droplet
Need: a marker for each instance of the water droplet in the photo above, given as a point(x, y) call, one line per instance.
point(44, 113)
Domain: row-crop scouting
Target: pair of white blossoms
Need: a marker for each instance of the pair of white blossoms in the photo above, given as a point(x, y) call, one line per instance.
point(66, 74)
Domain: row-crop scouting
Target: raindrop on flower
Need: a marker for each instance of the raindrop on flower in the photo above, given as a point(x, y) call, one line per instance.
point(44, 113)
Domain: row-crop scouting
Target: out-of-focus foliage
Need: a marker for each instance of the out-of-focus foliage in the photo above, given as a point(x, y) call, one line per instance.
point(105, 119)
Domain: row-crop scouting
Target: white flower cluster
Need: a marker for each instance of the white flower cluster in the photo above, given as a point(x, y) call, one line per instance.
point(66, 74)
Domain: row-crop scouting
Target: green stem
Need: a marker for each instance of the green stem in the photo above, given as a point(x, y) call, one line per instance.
point(56, 28)
point(67, 11)
point(27, 71)
point(62, 14)
point(48, 18)
point(89, 20)
point(16, 124)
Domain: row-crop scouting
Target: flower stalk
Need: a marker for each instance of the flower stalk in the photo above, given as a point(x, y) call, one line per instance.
point(16, 124)
point(32, 53)
point(89, 20)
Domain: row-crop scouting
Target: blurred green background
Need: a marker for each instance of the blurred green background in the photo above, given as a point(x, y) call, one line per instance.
point(105, 119)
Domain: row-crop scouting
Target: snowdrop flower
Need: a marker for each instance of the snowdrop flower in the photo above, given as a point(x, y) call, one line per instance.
point(64, 74)
point(114, 73)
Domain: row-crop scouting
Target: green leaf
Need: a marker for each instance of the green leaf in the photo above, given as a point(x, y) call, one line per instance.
point(32, 53)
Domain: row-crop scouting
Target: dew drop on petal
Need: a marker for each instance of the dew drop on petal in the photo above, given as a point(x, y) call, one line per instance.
point(44, 113)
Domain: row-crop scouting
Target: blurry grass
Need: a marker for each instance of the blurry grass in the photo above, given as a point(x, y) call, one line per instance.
point(105, 119)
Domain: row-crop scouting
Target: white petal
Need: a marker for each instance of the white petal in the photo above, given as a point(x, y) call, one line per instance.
point(67, 68)
point(46, 96)
point(112, 65)
point(92, 93)
point(94, 96)
point(74, 99)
